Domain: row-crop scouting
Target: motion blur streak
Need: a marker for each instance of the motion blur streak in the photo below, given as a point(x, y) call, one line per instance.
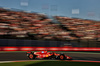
point(48, 48)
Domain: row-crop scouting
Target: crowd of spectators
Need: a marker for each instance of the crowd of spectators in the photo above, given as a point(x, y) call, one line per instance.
point(83, 29)
point(20, 24)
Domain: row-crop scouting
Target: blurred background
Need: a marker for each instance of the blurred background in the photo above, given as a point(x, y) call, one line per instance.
point(50, 23)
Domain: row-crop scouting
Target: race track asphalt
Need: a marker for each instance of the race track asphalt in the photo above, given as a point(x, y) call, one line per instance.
point(15, 56)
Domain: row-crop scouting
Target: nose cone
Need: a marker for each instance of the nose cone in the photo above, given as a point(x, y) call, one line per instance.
point(69, 58)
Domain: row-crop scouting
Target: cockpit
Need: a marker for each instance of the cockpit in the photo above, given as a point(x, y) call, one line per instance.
point(42, 52)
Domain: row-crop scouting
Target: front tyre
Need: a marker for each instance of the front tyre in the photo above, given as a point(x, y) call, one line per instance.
point(62, 57)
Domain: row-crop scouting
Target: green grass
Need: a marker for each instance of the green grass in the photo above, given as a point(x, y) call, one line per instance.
point(50, 63)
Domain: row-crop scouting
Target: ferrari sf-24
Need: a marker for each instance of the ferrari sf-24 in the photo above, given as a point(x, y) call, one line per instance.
point(47, 55)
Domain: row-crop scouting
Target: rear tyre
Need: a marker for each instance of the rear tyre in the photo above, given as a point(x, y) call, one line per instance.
point(31, 56)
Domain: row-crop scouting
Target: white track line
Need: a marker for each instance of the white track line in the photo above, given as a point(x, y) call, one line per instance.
point(6, 61)
point(25, 61)
point(49, 60)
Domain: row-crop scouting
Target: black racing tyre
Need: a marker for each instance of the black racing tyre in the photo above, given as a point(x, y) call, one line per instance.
point(31, 56)
point(62, 57)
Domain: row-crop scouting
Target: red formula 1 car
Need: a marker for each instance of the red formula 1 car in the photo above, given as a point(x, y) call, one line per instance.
point(49, 55)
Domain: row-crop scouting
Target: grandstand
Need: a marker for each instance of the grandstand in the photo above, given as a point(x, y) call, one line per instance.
point(83, 29)
point(35, 26)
